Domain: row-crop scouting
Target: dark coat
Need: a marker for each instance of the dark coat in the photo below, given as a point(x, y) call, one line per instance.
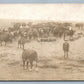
point(66, 46)
point(5, 37)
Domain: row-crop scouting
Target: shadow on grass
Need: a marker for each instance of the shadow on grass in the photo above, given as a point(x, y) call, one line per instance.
point(49, 66)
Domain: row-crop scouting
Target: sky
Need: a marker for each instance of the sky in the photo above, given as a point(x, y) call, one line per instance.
point(56, 12)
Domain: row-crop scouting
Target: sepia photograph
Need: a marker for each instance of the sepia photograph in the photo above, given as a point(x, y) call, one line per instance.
point(41, 42)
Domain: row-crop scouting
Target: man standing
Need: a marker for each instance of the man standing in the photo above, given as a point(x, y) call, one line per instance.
point(66, 49)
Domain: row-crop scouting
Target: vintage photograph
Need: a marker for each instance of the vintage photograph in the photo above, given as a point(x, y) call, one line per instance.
point(41, 42)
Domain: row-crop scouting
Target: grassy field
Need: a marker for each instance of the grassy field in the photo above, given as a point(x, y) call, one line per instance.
point(51, 66)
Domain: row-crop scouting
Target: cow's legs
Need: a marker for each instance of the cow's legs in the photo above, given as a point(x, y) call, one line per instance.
point(18, 45)
point(23, 46)
point(5, 43)
point(36, 60)
point(23, 64)
point(27, 64)
point(36, 64)
point(36, 68)
point(1, 43)
point(31, 63)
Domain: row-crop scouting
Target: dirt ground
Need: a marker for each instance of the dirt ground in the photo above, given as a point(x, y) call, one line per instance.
point(51, 65)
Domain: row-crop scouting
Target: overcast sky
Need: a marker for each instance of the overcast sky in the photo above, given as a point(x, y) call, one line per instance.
point(63, 12)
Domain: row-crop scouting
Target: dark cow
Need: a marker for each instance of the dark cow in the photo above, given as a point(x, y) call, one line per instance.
point(5, 37)
point(29, 56)
point(21, 42)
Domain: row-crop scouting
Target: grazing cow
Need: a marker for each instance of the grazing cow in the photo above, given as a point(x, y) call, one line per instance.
point(29, 56)
point(5, 37)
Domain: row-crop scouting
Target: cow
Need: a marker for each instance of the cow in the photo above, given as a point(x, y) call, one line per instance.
point(5, 37)
point(22, 41)
point(29, 56)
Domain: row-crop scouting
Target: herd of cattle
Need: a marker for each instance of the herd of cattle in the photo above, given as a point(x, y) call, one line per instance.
point(28, 56)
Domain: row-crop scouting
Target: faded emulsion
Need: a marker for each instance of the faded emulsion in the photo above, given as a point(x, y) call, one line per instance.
point(41, 42)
